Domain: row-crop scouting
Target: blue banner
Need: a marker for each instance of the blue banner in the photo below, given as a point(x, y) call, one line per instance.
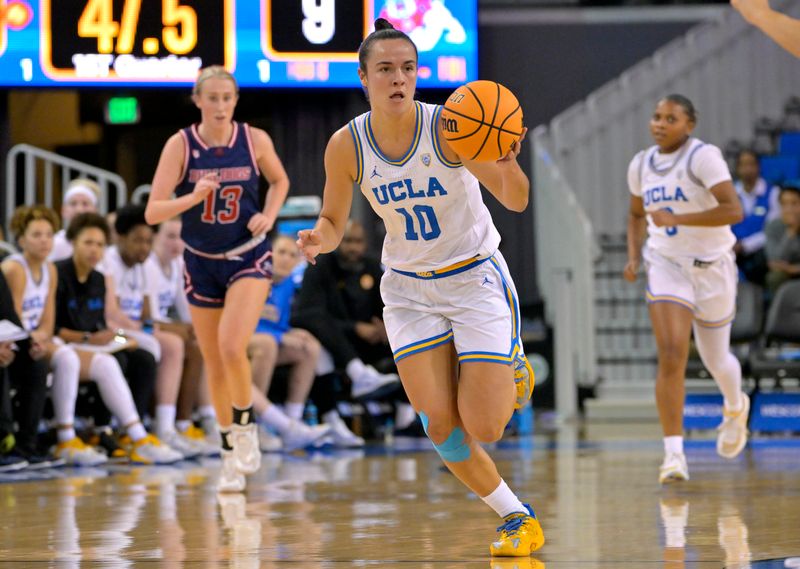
point(775, 412)
point(702, 411)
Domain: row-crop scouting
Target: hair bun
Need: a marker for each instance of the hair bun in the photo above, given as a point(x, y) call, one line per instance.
point(383, 24)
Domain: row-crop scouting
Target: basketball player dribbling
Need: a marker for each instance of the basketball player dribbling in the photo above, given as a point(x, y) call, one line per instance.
point(682, 193)
point(214, 167)
point(451, 310)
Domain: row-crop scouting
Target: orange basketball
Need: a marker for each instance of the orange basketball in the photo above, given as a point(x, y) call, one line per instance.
point(481, 121)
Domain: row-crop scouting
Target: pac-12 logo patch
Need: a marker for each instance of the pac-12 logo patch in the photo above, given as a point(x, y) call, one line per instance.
point(195, 153)
point(426, 159)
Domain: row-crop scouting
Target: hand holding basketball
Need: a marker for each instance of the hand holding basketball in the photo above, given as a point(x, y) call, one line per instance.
point(482, 121)
point(310, 243)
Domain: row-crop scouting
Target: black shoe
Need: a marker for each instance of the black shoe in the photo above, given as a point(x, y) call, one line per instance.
point(105, 440)
point(10, 463)
point(37, 460)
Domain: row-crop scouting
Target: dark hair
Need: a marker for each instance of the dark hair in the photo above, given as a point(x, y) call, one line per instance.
point(25, 215)
point(383, 31)
point(743, 152)
point(130, 216)
point(88, 220)
point(688, 106)
point(790, 186)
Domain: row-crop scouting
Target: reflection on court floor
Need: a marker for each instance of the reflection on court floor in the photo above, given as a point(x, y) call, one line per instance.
point(599, 502)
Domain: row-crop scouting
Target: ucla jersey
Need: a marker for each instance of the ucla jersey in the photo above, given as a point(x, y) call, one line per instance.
point(34, 298)
point(432, 207)
point(219, 223)
point(674, 182)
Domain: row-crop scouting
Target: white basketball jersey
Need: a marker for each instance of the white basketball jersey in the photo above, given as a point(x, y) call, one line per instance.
point(170, 287)
point(34, 298)
point(432, 207)
point(673, 182)
point(132, 284)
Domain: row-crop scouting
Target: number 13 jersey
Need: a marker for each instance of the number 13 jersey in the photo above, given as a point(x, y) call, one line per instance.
point(432, 208)
point(219, 223)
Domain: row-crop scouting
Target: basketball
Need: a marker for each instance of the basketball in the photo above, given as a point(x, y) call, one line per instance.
point(482, 120)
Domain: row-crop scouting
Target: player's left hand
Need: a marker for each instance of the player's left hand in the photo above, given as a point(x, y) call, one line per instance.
point(516, 148)
point(259, 224)
point(663, 218)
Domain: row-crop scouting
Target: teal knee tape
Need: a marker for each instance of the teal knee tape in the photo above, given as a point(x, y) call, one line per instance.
point(453, 449)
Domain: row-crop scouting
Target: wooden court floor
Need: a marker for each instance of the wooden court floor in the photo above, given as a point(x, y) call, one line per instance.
point(597, 498)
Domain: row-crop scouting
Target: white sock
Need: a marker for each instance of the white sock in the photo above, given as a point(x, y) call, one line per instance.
point(355, 369)
point(404, 415)
point(294, 410)
point(206, 411)
point(275, 418)
point(675, 519)
point(165, 419)
point(183, 424)
point(504, 501)
point(673, 445)
point(114, 390)
point(136, 431)
point(66, 368)
point(66, 434)
point(713, 345)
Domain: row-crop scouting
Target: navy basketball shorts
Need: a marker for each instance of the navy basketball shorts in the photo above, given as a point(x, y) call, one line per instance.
point(205, 281)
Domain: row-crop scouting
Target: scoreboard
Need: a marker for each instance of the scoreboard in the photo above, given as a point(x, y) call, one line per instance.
point(264, 43)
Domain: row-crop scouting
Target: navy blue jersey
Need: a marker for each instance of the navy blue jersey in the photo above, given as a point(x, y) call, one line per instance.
point(219, 223)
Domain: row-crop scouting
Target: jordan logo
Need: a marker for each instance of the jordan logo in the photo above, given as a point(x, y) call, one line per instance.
point(486, 281)
point(375, 173)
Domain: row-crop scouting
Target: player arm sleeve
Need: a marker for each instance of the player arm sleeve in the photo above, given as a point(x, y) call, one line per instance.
point(708, 166)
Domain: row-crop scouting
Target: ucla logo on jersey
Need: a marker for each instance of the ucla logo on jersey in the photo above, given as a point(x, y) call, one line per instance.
point(426, 159)
point(399, 191)
point(32, 303)
point(661, 194)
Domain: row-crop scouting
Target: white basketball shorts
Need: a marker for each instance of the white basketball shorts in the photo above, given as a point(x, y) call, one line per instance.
point(707, 288)
point(472, 304)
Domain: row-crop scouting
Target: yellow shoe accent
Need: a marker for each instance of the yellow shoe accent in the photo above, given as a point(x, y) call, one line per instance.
point(194, 433)
point(520, 535)
point(524, 379)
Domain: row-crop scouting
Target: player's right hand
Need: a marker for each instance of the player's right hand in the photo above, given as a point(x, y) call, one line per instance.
point(310, 243)
point(206, 185)
point(631, 270)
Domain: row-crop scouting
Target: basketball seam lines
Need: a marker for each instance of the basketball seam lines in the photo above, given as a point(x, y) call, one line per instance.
point(489, 132)
point(511, 114)
point(462, 115)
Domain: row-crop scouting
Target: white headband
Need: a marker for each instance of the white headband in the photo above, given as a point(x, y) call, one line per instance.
point(80, 191)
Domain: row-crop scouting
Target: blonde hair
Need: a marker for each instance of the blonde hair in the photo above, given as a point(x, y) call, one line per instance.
point(25, 215)
point(213, 71)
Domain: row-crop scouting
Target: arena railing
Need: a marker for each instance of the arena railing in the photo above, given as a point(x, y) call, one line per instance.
point(43, 171)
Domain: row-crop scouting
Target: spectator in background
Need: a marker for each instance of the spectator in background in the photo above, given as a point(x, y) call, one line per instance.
point(19, 449)
point(136, 286)
point(111, 219)
point(166, 261)
point(783, 239)
point(340, 304)
point(760, 206)
point(32, 280)
point(80, 319)
point(82, 195)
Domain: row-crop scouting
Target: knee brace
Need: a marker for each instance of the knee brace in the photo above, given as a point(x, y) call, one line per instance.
point(454, 448)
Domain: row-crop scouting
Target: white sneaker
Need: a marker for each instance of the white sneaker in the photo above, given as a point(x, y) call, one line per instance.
point(244, 440)
point(230, 477)
point(267, 441)
point(673, 468)
point(371, 384)
point(299, 435)
point(732, 436)
point(75, 452)
point(204, 445)
point(341, 435)
point(150, 450)
point(181, 443)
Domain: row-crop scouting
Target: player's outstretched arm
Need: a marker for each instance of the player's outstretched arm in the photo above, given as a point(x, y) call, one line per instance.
point(785, 31)
point(340, 173)
point(160, 205)
point(504, 179)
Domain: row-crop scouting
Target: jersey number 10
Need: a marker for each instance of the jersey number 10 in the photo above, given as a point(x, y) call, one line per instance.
point(426, 218)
